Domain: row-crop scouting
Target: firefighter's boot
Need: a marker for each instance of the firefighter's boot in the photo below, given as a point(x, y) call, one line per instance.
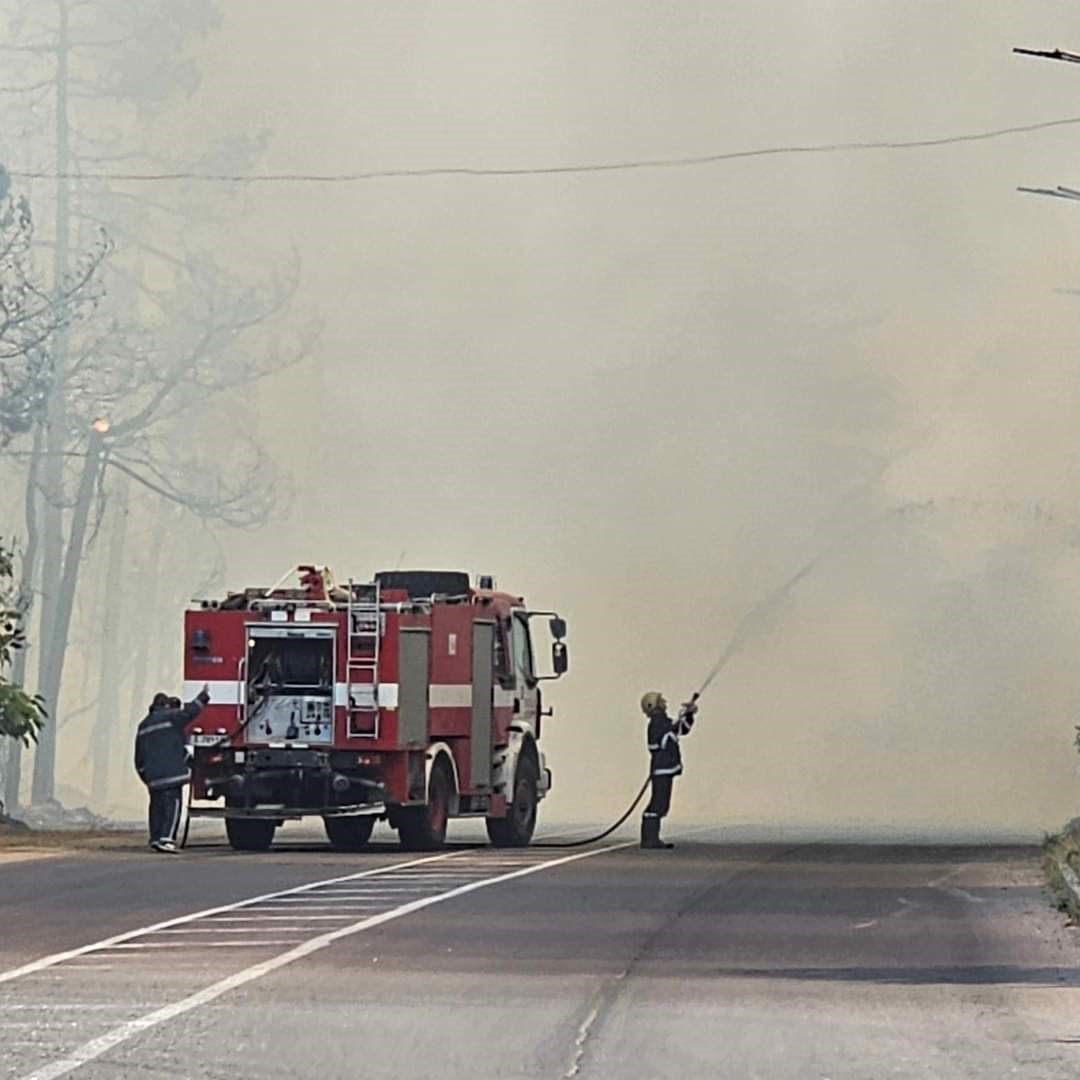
point(650, 834)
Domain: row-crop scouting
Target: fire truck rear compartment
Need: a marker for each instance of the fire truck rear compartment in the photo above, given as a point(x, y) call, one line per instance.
point(290, 685)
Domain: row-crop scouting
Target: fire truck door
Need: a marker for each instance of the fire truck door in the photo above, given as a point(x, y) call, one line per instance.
point(414, 666)
point(483, 685)
point(526, 687)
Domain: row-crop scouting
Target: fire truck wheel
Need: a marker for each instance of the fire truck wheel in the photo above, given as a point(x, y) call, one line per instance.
point(516, 829)
point(249, 834)
point(423, 828)
point(349, 833)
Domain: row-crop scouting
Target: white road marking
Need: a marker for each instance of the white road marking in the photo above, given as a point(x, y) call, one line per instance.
point(136, 946)
point(112, 1006)
point(259, 914)
point(128, 935)
point(95, 1048)
point(254, 919)
point(963, 894)
point(321, 896)
point(233, 930)
point(305, 903)
point(295, 912)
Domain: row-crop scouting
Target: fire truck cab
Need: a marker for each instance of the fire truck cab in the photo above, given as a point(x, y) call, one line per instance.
point(414, 697)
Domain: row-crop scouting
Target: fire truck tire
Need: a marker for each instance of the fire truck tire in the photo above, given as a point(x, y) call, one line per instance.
point(349, 833)
point(250, 834)
point(516, 829)
point(423, 828)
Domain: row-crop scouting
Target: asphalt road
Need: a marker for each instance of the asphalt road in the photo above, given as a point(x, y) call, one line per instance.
point(714, 960)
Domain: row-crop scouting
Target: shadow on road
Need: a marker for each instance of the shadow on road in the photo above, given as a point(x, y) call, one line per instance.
point(974, 975)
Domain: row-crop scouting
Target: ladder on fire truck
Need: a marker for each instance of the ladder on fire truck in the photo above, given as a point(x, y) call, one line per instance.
point(362, 663)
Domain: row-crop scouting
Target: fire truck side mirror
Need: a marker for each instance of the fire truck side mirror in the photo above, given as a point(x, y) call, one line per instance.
point(558, 628)
point(560, 658)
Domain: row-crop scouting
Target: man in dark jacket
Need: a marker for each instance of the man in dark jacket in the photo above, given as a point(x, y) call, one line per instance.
point(665, 761)
point(161, 760)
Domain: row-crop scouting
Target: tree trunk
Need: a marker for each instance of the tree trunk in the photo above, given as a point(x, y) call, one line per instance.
point(49, 663)
point(112, 628)
point(147, 635)
point(53, 673)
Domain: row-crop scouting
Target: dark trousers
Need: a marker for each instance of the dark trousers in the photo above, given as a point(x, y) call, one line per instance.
point(660, 799)
point(166, 813)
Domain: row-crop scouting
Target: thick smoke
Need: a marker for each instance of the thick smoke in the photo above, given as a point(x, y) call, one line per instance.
point(650, 398)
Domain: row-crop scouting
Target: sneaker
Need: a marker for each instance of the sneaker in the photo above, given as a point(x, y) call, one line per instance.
point(169, 847)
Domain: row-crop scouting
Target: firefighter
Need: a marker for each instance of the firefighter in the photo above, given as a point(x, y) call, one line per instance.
point(162, 762)
point(665, 761)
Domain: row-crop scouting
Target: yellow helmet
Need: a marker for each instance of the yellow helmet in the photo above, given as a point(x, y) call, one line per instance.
point(652, 702)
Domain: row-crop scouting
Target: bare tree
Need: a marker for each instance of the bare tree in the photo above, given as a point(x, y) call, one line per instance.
point(180, 330)
point(31, 316)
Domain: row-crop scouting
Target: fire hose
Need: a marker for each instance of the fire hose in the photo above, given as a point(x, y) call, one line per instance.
point(644, 787)
point(737, 638)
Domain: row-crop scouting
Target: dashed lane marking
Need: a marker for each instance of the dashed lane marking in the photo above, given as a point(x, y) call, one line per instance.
point(128, 935)
point(95, 1048)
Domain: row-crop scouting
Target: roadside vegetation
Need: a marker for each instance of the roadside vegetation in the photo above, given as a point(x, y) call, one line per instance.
point(21, 714)
point(15, 836)
point(1061, 862)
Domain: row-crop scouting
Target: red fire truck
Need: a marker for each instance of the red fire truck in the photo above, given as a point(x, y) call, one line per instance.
point(413, 697)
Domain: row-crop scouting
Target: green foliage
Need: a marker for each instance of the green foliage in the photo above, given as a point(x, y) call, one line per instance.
point(21, 714)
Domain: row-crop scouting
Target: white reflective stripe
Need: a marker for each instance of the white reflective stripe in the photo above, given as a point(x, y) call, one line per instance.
point(169, 781)
point(228, 691)
point(222, 691)
point(669, 735)
point(450, 696)
point(178, 805)
point(361, 692)
point(674, 771)
point(152, 728)
point(503, 698)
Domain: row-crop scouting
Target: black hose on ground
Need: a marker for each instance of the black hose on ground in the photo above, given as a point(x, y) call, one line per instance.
point(648, 779)
point(599, 836)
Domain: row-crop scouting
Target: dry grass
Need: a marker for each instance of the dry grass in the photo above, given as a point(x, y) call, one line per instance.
point(1058, 851)
point(14, 839)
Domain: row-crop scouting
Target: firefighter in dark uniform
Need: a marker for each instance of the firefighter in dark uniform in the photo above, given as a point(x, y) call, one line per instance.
point(665, 763)
point(161, 760)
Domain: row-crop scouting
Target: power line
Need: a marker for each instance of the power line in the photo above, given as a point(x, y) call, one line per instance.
point(549, 170)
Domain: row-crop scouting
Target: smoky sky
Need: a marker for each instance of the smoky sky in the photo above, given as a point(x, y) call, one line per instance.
point(647, 398)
